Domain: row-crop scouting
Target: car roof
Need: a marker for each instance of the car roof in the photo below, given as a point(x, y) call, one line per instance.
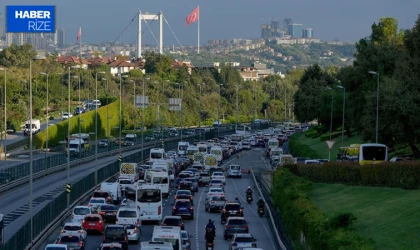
point(172, 217)
point(69, 233)
point(73, 224)
point(93, 215)
point(243, 235)
point(236, 218)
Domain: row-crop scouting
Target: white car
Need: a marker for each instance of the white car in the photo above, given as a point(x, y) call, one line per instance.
point(66, 115)
point(219, 176)
point(56, 247)
point(95, 202)
point(234, 170)
point(133, 232)
point(215, 192)
point(246, 144)
point(74, 228)
point(240, 241)
point(79, 212)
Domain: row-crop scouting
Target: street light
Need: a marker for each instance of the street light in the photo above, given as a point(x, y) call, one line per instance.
point(5, 114)
point(199, 112)
point(274, 95)
point(79, 114)
point(46, 142)
point(377, 103)
point(331, 120)
point(237, 105)
point(218, 111)
point(96, 126)
point(142, 116)
point(344, 107)
point(107, 115)
point(119, 149)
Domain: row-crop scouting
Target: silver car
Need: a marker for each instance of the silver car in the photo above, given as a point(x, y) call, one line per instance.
point(214, 203)
point(240, 241)
point(133, 232)
point(186, 243)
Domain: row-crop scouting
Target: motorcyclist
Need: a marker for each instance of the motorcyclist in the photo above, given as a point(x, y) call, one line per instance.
point(210, 231)
point(249, 192)
point(260, 203)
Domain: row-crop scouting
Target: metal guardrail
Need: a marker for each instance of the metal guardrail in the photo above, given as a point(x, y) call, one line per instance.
point(21, 181)
point(276, 232)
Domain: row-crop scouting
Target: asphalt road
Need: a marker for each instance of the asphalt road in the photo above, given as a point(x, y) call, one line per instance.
point(259, 226)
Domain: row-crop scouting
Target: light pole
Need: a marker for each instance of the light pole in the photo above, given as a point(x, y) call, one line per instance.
point(96, 126)
point(62, 94)
point(331, 120)
point(199, 111)
point(163, 114)
point(79, 109)
point(344, 108)
point(119, 149)
point(5, 114)
point(274, 95)
point(142, 116)
point(218, 111)
point(107, 115)
point(46, 142)
point(237, 106)
point(377, 103)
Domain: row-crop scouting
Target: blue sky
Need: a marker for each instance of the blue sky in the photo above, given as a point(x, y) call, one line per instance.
point(223, 19)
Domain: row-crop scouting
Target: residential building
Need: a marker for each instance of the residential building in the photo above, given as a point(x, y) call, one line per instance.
point(248, 73)
point(265, 31)
point(73, 60)
point(308, 33)
point(295, 30)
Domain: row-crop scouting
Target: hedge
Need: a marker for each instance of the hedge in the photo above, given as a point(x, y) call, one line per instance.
point(326, 136)
point(405, 174)
point(306, 224)
point(298, 149)
point(58, 132)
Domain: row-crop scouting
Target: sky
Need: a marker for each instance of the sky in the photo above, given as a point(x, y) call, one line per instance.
point(105, 20)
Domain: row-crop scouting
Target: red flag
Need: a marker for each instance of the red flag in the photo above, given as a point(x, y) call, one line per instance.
point(79, 34)
point(193, 17)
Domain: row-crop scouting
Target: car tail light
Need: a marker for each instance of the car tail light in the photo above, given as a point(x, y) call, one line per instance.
point(109, 198)
point(103, 237)
point(191, 208)
point(59, 242)
point(234, 244)
point(159, 210)
point(212, 201)
point(224, 210)
point(125, 238)
point(176, 197)
point(80, 244)
point(101, 212)
point(100, 221)
point(83, 221)
point(174, 208)
point(228, 226)
point(135, 230)
point(246, 226)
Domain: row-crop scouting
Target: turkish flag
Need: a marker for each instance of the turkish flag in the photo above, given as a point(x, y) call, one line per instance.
point(193, 17)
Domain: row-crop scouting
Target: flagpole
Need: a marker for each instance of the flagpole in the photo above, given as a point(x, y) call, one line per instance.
point(80, 42)
point(198, 40)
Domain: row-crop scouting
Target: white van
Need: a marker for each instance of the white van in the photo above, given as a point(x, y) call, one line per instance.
point(96, 103)
point(114, 189)
point(157, 154)
point(152, 245)
point(129, 215)
point(168, 234)
point(77, 147)
point(161, 165)
point(160, 179)
point(234, 170)
point(218, 152)
point(182, 147)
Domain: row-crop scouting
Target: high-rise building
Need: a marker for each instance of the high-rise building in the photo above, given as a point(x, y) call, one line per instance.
point(275, 28)
point(2, 24)
point(295, 30)
point(308, 33)
point(265, 31)
point(60, 37)
point(286, 23)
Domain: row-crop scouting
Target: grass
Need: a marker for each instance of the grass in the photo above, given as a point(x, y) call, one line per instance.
point(322, 149)
point(390, 216)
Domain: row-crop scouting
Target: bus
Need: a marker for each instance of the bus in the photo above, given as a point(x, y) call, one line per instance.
point(160, 179)
point(149, 201)
point(242, 130)
point(157, 154)
point(1, 229)
point(371, 153)
point(260, 124)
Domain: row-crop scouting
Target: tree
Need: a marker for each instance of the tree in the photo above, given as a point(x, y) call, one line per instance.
point(17, 56)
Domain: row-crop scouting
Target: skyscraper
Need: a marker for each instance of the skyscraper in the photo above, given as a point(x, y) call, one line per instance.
point(275, 28)
point(295, 30)
point(286, 23)
point(308, 33)
point(265, 31)
point(61, 37)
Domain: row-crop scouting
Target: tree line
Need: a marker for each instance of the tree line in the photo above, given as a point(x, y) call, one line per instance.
point(270, 98)
point(389, 54)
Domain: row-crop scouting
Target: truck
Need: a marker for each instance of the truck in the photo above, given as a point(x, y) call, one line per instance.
point(130, 139)
point(36, 127)
point(128, 170)
point(76, 147)
point(202, 147)
point(210, 161)
point(162, 165)
point(218, 152)
point(275, 153)
point(182, 148)
point(114, 189)
point(198, 157)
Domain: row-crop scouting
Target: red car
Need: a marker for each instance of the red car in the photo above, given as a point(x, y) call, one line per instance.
point(93, 223)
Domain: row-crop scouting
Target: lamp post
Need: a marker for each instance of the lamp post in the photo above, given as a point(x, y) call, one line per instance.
point(46, 106)
point(218, 111)
point(107, 115)
point(274, 95)
point(119, 149)
point(163, 114)
point(79, 108)
point(199, 111)
point(237, 106)
point(142, 116)
point(62, 94)
point(344, 108)
point(96, 126)
point(5, 114)
point(377, 103)
point(331, 120)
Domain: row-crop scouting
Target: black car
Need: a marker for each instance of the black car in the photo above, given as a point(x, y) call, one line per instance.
point(116, 233)
point(173, 221)
point(108, 212)
point(232, 209)
point(186, 185)
point(103, 194)
point(260, 143)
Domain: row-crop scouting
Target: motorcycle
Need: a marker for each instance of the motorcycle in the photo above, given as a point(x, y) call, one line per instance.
point(209, 245)
point(261, 211)
point(249, 198)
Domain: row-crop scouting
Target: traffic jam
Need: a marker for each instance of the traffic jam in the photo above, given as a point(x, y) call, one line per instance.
point(121, 209)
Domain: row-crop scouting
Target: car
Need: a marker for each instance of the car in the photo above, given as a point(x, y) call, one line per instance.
point(93, 223)
point(75, 228)
point(219, 176)
point(260, 143)
point(235, 225)
point(110, 246)
point(183, 207)
point(103, 143)
point(56, 247)
point(79, 110)
point(182, 176)
point(216, 183)
point(185, 238)
point(184, 194)
point(186, 185)
point(194, 181)
point(204, 179)
point(214, 203)
point(108, 212)
point(175, 221)
point(95, 202)
point(215, 191)
point(79, 212)
point(133, 232)
point(66, 115)
point(116, 233)
point(246, 144)
point(242, 241)
point(72, 241)
point(103, 194)
point(234, 170)
point(231, 208)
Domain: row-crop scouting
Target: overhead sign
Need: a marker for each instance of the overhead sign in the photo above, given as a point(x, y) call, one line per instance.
point(330, 144)
point(30, 18)
point(175, 104)
point(142, 101)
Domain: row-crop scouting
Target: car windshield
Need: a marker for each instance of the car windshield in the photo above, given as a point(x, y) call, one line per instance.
point(183, 204)
point(130, 226)
point(218, 198)
point(111, 248)
point(237, 222)
point(235, 167)
point(81, 211)
point(233, 207)
point(244, 239)
point(217, 174)
point(72, 227)
point(216, 181)
point(183, 192)
point(127, 214)
point(108, 208)
point(216, 190)
point(172, 221)
point(92, 219)
point(97, 201)
point(115, 231)
point(69, 239)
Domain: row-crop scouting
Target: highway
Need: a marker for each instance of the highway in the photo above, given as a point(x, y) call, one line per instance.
point(259, 226)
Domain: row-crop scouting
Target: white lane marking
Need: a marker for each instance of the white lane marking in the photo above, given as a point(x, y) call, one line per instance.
point(196, 222)
point(258, 217)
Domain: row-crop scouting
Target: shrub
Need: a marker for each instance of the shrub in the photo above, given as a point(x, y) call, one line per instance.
point(326, 136)
point(311, 133)
point(302, 218)
point(298, 149)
